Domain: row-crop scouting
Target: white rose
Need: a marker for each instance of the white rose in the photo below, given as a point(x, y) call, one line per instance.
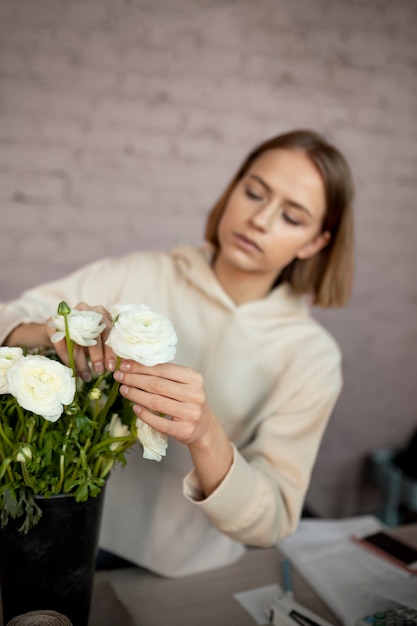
point(8, 356)
point(142, 335)
point(41, 385)
point(117, 429)
point(84, 327)
point(154, 443)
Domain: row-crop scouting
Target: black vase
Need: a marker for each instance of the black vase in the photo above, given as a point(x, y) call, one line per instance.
point(52, 566)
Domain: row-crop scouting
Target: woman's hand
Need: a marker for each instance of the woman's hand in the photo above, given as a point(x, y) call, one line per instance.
point(169, 389)
point(179, 392)
point(101, 356)
point(33, 335)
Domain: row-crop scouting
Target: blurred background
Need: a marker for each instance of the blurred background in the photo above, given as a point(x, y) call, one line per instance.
point(122, 120)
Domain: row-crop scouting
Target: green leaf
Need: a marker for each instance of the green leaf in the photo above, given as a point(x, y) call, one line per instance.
point(22, 505)
point(4, 465)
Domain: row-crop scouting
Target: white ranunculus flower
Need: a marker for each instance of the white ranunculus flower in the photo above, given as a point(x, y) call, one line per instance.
point(8, 356)
point(41, 385)
point(117, 429)
point(142, 335)
point(154, 443)
point(116, 309)
point(84, 327)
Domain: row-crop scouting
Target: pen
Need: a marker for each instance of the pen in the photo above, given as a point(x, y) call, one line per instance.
point(286, 578)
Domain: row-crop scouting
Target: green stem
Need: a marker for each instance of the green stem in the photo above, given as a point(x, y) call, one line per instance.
point(110, 401)
point(19, 433)
point(9, 471)
point(42, 433)
point(100, 379)
point(107, 468)
point(77, 465)
point(82, 460)
point(97, 467)
point(21, 419)
point(70, 346)
point(3, 457)
point(5, 437)
point(62, 462)
point(107, 443)
point(86, 405)
point(26, 475)
point(30, 434)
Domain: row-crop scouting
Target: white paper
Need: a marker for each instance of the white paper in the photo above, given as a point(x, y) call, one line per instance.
point(257, 601)
point(350, 580)
point(404, 592)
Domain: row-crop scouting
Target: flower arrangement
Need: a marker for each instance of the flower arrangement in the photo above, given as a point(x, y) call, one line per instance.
point(60, 434)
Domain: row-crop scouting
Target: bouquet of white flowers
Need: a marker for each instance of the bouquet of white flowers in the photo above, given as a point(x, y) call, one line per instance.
point(60, 434)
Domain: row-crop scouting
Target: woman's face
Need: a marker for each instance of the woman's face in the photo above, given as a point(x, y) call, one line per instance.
point(274, 215)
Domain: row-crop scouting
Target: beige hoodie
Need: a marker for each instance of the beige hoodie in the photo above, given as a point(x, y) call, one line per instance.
point(272, 377)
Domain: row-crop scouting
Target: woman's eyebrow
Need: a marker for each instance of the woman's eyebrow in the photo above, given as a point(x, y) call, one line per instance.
point(297, 205)
point(261, 181)
point(292, 203)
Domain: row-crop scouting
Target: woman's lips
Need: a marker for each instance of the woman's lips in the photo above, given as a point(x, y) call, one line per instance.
point(246, 243)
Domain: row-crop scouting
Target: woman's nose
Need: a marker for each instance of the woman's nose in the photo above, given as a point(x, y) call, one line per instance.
point(263, 217)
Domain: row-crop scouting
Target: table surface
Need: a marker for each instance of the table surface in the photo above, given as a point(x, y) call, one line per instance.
point(204, 599)
point(136, 597)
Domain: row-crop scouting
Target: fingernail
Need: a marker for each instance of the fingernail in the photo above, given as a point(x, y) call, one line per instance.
point(86, 376)
point(137, 409)
point(99, 367)
point(124, 389)
point(118, 376)
point(111, 364)
point(125, 366)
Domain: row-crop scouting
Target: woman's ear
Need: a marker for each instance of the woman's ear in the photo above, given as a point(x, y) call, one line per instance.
point(312, 248)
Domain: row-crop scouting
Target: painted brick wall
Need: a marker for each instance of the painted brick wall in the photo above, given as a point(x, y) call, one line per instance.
point(121, 121)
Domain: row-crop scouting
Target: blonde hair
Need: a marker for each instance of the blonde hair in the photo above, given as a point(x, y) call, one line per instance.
point(328, 275)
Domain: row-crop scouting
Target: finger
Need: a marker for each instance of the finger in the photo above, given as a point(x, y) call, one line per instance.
point(80, 359)
point(81, 363)
point(96, 354)
point(169, 371)
point(155, 385)
point(101, 356)
point(60, 348)
point(177, 410)
point(157, 404)
point(181, 431)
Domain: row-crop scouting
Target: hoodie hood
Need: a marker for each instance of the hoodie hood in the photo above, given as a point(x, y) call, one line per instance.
point(195, 265)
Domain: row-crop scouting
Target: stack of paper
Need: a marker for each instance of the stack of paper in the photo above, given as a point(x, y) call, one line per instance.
point(352, 581)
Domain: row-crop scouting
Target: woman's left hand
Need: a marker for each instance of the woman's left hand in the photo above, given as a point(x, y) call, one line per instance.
point(172, 390)
point(179, 392)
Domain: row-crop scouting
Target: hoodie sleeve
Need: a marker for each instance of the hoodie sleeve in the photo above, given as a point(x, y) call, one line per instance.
point(96, 284)
point(260, 500)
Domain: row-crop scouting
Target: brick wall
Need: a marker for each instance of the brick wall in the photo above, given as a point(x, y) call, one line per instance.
point(121, 121)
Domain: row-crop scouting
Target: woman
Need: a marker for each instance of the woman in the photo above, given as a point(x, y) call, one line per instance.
point(255, 377)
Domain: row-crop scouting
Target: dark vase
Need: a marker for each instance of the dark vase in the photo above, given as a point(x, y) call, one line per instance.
point(52, 566)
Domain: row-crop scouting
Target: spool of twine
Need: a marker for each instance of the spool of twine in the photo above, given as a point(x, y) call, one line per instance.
point(34, 618)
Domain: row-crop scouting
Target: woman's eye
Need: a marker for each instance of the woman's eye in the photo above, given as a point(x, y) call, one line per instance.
point(290, 220)
point(252, 195)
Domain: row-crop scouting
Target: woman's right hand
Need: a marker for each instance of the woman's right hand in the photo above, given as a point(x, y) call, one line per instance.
point(101, 356)
point(33, 335)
